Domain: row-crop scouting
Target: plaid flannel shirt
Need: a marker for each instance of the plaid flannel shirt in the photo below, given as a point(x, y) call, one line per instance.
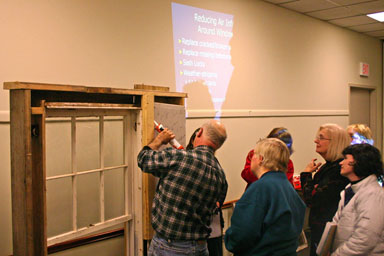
point(190, 184)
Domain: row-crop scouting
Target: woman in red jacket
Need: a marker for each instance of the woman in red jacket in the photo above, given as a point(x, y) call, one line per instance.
point(279, 133)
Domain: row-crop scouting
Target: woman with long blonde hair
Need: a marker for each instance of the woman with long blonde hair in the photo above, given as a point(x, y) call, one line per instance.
point(322, 191)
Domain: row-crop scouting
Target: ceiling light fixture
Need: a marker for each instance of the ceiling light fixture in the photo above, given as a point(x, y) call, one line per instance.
point(377, 16)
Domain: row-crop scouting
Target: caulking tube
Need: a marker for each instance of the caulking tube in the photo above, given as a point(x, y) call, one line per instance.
point(174, 143)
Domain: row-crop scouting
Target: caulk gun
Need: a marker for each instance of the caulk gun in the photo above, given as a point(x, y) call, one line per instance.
point(174, 143)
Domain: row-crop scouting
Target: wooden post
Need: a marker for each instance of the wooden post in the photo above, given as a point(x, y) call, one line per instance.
point(28, 201)
point(38, 183)
point(149, 183)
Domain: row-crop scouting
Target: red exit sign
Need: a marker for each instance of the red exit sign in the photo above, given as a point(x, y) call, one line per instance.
point(364, 69)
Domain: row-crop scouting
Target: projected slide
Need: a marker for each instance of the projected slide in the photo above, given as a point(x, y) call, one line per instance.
point(202, 50)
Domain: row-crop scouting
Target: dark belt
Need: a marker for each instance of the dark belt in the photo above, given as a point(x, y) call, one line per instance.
point(200, 241)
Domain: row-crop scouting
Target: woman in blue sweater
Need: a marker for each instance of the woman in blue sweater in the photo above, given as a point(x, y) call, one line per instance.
point(269, 217)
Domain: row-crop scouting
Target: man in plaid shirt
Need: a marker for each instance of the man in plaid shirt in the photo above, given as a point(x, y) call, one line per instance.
point(191, 184)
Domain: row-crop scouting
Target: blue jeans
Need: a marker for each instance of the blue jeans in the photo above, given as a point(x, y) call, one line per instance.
point(162, 247)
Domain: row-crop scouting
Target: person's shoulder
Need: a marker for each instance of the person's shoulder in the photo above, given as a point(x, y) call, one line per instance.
point(332, 169)
point(263, 188)
point(175, 154)
point(266, 181)
point(377, 190)
point(372, 187)
point(205, 153)
point(203, 148)
point(252, 193)
point(194, 153)
point(174, 151)
point(198, 155)
point(335, 164)
point(276, 177)
point(371, 196)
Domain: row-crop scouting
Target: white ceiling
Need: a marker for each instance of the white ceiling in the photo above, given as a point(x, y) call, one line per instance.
point(350, 14)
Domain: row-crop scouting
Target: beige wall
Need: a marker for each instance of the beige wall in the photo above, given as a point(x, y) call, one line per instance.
point(289, 69)
point(293, 71)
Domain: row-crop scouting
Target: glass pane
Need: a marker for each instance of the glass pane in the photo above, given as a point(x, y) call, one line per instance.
point(113, 141)
point(114, 193)
point(88, 206)
point(58, 146)
point(87, 143)
point(59, 206)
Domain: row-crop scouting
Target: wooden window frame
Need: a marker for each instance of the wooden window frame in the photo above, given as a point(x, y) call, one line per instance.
point(30, 104)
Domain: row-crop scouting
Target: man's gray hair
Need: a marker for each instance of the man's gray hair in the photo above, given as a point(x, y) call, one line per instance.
point(215, 132)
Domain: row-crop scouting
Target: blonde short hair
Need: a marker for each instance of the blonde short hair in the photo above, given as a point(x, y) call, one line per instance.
point(362, 129)
point(339, 140)
point(275, 154)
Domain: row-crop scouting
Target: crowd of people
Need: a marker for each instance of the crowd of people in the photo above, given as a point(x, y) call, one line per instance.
point(269, 217)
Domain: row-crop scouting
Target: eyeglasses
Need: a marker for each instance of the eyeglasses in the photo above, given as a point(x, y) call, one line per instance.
point(321, 138)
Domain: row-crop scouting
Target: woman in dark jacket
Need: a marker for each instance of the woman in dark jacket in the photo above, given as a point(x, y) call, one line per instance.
point(322, 191)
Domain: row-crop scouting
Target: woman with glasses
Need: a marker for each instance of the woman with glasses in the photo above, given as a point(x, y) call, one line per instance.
point(321, 192)
point(359, 218)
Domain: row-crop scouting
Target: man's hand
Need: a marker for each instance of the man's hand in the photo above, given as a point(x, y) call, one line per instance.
point(162, 138)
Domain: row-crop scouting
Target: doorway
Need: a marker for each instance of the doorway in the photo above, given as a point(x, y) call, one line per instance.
point(362, 107)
